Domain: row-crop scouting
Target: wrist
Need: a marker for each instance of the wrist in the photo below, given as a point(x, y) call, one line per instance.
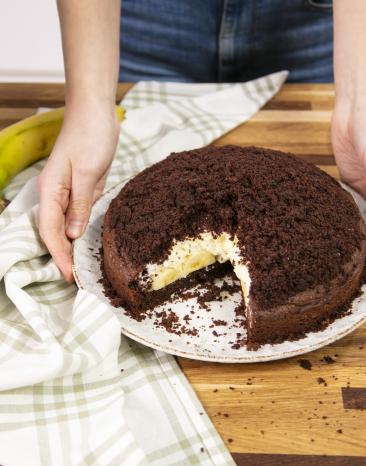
point(90, 108)
point(91, 116)
point(350, 87)
point(350, 98)
point(89, 102)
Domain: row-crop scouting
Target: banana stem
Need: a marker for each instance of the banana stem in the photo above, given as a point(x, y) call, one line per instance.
point(3, 204)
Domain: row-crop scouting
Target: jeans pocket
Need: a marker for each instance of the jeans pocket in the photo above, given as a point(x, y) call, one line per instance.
point(319, 5)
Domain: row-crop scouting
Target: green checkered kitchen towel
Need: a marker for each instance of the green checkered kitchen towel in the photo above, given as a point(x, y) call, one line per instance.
point(73, 390)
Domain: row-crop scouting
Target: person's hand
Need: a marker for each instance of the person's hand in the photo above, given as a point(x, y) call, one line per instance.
point(74, 177)
point(349, 142)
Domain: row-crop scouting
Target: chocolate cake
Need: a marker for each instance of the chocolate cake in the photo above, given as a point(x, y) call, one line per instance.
point(294, 237)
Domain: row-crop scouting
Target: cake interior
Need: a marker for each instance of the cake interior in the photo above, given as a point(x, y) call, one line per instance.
point(194, 254)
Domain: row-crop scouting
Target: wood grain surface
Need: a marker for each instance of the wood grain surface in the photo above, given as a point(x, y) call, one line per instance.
point(275, 413)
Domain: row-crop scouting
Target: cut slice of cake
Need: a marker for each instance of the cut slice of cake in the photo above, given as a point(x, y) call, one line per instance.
point(294, 237)
point(192, 254)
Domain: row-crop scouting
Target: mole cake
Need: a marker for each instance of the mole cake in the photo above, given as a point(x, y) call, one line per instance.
point(293, 236)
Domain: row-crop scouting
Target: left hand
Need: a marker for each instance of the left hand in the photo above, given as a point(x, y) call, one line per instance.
point(74, 176)
point(349, 142)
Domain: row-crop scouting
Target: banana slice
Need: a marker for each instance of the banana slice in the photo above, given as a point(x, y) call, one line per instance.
point(164, 278)
point(197, 261)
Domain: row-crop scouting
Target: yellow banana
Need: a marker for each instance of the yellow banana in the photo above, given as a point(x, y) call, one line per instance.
point(30, 140)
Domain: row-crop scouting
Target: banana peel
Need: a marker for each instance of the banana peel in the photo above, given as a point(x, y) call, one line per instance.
point(28, 141)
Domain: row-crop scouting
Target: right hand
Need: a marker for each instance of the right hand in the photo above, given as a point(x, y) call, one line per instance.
point(74, 177)
point(349, 141)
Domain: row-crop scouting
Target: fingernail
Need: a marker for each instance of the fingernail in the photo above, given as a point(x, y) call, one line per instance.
point(75, 229)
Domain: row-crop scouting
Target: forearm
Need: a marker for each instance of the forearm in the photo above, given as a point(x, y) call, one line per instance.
point(90, 39)
point(349, 50)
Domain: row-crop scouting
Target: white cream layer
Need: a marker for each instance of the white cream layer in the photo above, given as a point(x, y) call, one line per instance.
point(196, 253)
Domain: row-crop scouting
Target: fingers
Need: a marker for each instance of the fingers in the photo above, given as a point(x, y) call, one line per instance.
point(65, 206)
point(359, 186)
point(98, 191)
point(81, 200)
point(53, 202)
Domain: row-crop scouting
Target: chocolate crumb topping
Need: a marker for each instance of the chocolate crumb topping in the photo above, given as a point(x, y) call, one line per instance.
point(270, 200)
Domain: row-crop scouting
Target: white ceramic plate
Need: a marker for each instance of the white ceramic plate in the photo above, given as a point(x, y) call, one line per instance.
point(205, 345)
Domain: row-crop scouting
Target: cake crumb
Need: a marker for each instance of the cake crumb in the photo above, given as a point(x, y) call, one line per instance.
point(305, 364)
point(219, 322)
point(328, 360)
point(322, 381)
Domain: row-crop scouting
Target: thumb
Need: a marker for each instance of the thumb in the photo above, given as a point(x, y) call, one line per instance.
point(79, 207)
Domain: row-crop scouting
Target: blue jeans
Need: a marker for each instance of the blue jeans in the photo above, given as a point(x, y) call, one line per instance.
point(225, 40)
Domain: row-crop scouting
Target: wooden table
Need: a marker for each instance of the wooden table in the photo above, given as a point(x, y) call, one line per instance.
point(275, 413)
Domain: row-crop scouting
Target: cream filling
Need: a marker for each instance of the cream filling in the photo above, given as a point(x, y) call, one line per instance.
point(197, 253)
